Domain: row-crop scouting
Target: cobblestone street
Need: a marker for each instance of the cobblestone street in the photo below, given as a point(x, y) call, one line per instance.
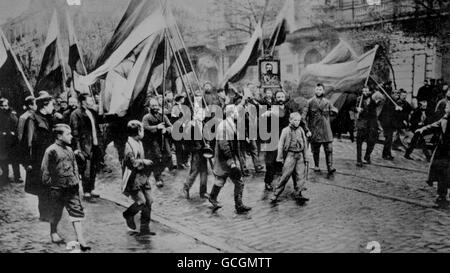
point(104, 228)
point(386, 202)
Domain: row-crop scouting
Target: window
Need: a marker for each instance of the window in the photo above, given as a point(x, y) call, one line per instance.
point(289, 69)
point(313, 56)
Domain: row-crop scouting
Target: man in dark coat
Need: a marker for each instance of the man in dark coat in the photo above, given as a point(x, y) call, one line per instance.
point(227, 161)
point(156, 140)
point(318, 113)
point(199, 164)
point(419, 118)
point(86, 143)
point(366, 124)
point(403, 117)
point(73, 105)
point(8, 142)
point(390, 121)
point(178, 111)
point(440, 165)
point(39, 137)
point(344, 121)
point(22, 130)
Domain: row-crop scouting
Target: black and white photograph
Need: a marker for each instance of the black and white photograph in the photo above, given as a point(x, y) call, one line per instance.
point(219, 127)
point(269, 73)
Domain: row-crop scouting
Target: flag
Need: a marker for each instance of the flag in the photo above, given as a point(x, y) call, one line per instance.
point(50, 76)
point(128, 68)
point(284, 24)
point(248, 56)
point(13, 86)
point(173, 53)
point(151, 26)
point(136, 13)
point(340, 71)
point(75, 61)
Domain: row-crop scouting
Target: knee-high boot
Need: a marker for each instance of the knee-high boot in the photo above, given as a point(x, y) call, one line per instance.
point(316, 157)
point(145, 220)
point(213, 197)
point(329, 160)
point(238, 192)
point(130, 213)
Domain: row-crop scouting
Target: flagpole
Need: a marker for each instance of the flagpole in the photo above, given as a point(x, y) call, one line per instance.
point(177, 53)
point(385, 92)
point(184, 70)
point(164, 86)
point(19, 66)
point(59, 49)
point(371, 66)
point(183, 45)
point(275, 42)
point(69, 21)
point(262, 23)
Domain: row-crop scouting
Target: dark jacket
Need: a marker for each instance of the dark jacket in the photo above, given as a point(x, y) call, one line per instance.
point(82, 131)
point(227, 149)
point(440, 163)
point(424, 93)
point(389, 117)
point(368, 118)
point(59, 167)
point(153, 137)
point(8, 133)
point(416, 119)
point(40, 136)
point(318, 113)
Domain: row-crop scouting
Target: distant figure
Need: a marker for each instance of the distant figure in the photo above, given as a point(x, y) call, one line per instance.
point(8, 142)
point(366, 124)
point(440, 166)
point(318, 112)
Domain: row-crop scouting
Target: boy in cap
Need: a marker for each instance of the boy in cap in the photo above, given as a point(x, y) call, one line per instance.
point(136, 182)
point(60, 174)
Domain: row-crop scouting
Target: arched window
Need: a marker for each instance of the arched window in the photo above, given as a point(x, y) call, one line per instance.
point(313, 56)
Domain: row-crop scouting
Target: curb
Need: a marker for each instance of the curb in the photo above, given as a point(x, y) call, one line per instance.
point(217, 244)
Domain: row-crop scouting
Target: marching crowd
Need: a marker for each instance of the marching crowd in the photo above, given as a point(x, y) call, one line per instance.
point(61, 144)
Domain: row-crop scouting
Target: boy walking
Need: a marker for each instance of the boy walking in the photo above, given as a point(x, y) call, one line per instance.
point(136, 182)
point(60, 175)
point(291, 151)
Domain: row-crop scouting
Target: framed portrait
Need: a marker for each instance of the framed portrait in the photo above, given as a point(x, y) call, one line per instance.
point(269, 73)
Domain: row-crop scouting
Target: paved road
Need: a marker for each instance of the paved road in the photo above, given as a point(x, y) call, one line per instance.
point(20, 230)
point(388, 203)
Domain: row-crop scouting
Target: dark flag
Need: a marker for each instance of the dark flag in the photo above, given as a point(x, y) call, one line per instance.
point(136, 13)
point(13, 86)
point(50, 76)
point(75, 62)
point(249, 56)
point(129, 68)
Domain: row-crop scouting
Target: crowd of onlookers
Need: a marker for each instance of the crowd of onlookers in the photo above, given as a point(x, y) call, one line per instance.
point(400, 123)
